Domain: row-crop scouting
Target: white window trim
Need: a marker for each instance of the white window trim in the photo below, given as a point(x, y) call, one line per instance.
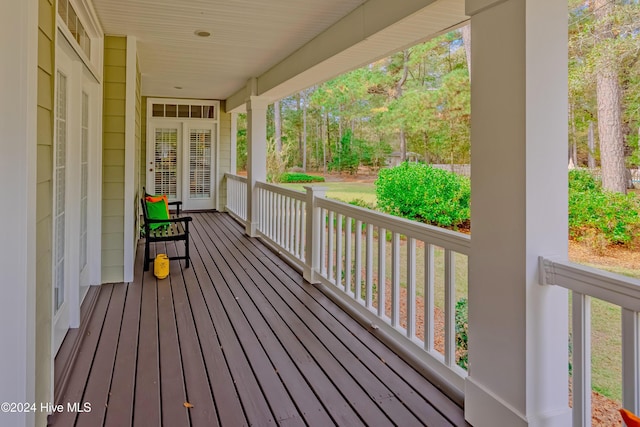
point(87, 14)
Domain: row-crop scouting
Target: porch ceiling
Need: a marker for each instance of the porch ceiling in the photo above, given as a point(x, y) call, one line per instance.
point(265, 39)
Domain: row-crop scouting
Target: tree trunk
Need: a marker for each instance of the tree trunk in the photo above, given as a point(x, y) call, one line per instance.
point(299, 126)
point(466, 41)
point(304, 134)
point(278, 127)
point(591, 161)
point(401, 82)
point(609, 96)
point(573, 155)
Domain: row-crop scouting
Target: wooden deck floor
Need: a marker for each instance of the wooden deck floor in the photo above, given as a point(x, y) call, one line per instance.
point(241, 339)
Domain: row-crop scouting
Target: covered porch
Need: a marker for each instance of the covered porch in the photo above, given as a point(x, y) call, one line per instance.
point(241, 337)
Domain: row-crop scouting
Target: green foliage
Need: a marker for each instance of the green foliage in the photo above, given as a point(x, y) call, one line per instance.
point(586, 50)
point(362, 204)
point(423, 193)
point(462, 330)
point(601, 216)
point(241, 143)
point(293, 177)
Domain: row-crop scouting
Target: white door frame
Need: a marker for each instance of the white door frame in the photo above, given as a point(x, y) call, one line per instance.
point(61, 316)
point(185, 123)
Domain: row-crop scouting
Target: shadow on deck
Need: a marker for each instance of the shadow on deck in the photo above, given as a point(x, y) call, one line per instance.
point(237, 339)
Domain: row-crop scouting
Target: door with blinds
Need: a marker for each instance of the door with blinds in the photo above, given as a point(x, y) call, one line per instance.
point(164, 160)
point(198, 166)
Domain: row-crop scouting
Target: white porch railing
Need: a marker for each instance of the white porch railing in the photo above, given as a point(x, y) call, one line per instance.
point(237, 196)
point(282, 220)
point(383, 265)
point(586, 283)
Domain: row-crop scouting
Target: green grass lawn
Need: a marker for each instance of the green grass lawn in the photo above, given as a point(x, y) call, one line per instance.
point(344, 191)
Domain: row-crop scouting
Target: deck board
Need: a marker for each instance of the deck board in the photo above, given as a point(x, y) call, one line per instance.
point(242, 338)
point(121, 392)
point(349, 350)
point(404, 373)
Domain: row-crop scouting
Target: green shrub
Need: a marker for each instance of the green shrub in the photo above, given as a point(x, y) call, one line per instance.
point(362, 203)
point(603, 217)
point(423, 193)
point(293, 177)
point(462, 328)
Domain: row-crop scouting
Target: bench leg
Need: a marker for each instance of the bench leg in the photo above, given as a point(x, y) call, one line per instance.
point(186, 250)
point(146, 255)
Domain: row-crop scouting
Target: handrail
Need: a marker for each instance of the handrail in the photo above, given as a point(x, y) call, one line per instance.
point(236, 177)
point(585, 283)
point(297, 195)
point(453, 240)
point(614, 288)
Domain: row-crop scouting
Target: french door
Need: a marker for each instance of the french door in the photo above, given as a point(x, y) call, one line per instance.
point(181, 159)
point(61, 318)
point(73, 210)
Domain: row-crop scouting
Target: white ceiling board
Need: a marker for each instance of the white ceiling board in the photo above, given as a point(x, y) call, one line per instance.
point(248, 38)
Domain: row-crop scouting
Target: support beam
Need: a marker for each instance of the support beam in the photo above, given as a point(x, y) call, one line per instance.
point(373, 30)
point(18, 163)
point(517, 328)
point(256, 159)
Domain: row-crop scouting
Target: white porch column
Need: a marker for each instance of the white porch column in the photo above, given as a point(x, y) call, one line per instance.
point(233, 169)
point(18, 163)
point(518, 329)
point(256, 158)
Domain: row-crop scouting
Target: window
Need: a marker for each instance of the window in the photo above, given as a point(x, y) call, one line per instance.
point(73, 23)
point(183, 111)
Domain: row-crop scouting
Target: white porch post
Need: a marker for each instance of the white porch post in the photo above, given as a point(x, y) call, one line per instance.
point(233, 169)
point(313, 229)
point(256, 158)
point(18, 178)
point(518, 329)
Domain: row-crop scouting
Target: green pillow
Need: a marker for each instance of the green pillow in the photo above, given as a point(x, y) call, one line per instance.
point(157, 210)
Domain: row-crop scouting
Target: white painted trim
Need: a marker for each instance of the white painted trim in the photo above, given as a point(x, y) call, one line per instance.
point(73, 190)
point(129, 161)
point(18, 166)
point(489, 409)
point(91, 23)
point(183, 124)
point(60, 321)
point(233, 168)
point(216, 185)
point(614, 288)
point(95, 185)
point(77, 49)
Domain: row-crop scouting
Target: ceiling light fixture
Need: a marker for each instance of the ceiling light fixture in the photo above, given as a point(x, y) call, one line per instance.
point(202, 33)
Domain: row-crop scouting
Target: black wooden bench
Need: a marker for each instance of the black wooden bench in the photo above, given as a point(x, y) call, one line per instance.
point(175, 229)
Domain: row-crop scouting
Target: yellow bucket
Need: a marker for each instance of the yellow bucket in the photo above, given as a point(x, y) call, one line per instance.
point(161, 266)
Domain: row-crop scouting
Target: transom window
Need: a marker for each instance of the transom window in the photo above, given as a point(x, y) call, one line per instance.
point(183, 111)
point(71, 19)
